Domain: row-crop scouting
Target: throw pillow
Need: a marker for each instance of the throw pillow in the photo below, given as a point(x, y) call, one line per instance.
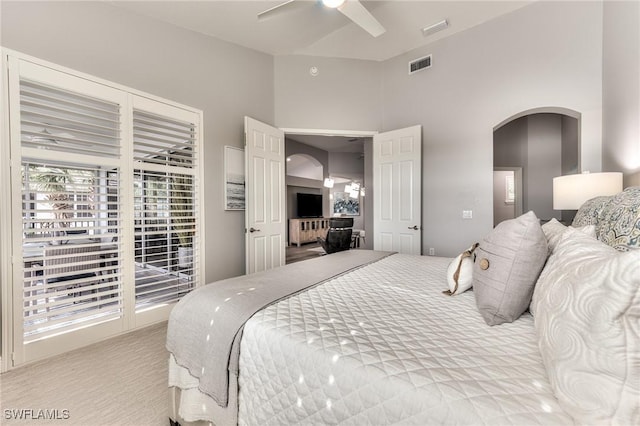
point(587, 322)
point(508, 262)
point(460, 272)
point(619, 224)
point(554, 230)
point(589, 213)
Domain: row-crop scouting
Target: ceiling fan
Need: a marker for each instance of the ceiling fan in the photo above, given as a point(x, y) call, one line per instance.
point(352, 9)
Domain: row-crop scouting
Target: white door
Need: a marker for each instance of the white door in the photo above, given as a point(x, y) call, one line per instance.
point(265, 214)
point(397, 174)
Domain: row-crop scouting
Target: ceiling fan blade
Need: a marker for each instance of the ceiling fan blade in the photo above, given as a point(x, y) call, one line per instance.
point(355, 11)
point(286, 6)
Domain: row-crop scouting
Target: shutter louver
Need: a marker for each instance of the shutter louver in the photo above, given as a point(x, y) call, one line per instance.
point(164, 208)
point(59, 120)
point(162, 140)
point(71, 253)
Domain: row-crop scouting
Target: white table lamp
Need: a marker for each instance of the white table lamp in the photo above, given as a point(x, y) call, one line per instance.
point(571, 191)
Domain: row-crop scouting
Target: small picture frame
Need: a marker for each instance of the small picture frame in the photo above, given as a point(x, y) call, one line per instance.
point(344, 204)
point(234, 184)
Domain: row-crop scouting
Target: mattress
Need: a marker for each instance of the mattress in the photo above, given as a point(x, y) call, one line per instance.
point(383, 345)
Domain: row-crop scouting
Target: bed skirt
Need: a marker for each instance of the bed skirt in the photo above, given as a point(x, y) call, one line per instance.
point(190, 407)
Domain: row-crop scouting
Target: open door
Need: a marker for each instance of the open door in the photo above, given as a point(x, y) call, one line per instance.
point(265, 214)
point(397, 202)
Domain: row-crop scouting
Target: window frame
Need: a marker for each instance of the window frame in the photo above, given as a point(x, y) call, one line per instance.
point(11, 267)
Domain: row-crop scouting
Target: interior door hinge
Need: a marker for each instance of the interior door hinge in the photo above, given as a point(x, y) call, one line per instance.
point(245, 138)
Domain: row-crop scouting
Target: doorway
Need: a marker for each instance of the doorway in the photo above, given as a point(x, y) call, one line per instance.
point(320, 166)
point(507, 193)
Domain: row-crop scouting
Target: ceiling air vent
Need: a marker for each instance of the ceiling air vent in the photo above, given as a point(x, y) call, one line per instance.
point(419, 64)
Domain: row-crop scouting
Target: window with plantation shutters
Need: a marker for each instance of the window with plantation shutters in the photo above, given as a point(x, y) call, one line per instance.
point(105, 208)
point(165, 206)
point(71, 250)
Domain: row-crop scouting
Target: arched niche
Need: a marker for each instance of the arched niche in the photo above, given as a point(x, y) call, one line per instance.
point(542, 143)
point(540, 110)
point(304, 166)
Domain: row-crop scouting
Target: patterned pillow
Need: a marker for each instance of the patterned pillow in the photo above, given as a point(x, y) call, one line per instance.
point(588, 326)
point(589, 213)
point(619, 224)
point(508, 262)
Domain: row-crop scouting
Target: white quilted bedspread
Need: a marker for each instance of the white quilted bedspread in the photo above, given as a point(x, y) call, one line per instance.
point(383, 345)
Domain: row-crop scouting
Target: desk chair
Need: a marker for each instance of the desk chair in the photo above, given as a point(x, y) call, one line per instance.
point(338, 236)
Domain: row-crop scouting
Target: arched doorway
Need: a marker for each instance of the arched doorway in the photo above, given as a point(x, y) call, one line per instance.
point(543, 143)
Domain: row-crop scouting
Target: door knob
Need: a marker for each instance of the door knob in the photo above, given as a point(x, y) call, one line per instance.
point(252, 229)
point(414, 227)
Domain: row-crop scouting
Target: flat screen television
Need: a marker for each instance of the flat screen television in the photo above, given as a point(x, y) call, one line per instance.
point(309, 205)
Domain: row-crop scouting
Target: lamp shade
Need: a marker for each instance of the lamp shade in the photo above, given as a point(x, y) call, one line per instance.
point(571, 191)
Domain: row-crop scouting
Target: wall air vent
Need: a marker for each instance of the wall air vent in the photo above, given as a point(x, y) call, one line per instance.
point(419, 64)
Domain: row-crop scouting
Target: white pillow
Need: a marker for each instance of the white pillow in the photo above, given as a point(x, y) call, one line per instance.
point(553, 230)
point(460, 272)
point(587, 320)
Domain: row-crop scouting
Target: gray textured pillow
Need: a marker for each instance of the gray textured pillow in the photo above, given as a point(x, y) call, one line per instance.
point(507, 266)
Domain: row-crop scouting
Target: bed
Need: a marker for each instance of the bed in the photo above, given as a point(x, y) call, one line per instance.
point(375, 341)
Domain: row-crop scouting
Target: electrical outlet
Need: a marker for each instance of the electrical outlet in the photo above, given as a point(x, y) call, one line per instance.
point(467, 214)
point(432, 251)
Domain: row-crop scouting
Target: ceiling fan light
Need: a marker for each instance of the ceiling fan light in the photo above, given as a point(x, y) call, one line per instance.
point(333, 3)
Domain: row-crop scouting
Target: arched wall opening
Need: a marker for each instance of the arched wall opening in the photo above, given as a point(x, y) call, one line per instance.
point(304, 166)
point(536, 145)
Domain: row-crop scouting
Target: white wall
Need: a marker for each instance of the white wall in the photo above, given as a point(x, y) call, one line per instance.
point(346, 94)
point(548, 54)
point(545, 54)
point(621, 89)
point(224, 80)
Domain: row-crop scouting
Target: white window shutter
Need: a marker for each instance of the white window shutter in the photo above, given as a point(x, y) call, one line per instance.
point(71, 215)
point(165, 205)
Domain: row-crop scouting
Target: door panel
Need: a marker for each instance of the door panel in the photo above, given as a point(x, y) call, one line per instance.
point(397, 174)
point(265, 217)
point(405, 169)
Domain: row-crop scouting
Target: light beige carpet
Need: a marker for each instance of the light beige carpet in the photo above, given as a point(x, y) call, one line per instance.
point(121, 381)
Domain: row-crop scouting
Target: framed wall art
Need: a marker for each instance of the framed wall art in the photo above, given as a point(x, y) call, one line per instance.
point(344, 204)
point(234, 187)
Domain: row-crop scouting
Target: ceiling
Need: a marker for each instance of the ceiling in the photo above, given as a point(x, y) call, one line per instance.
point(311, 29)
